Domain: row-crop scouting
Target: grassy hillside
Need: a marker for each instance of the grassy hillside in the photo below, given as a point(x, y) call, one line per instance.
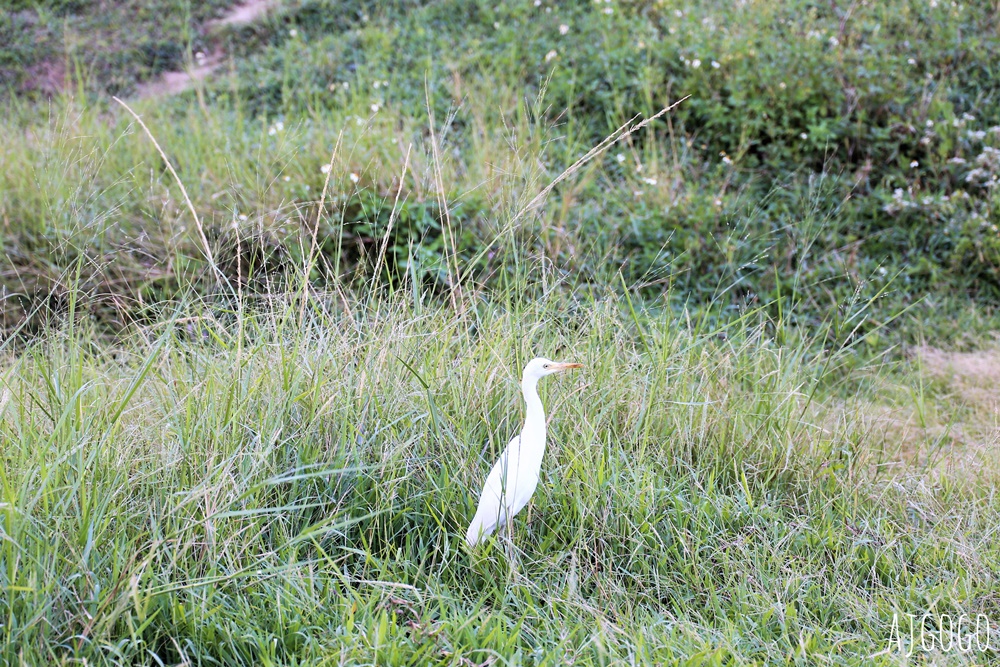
point(823, 153)
point(247, 400)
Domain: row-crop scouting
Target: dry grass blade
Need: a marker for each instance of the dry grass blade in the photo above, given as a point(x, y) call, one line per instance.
point(454, 280)
point(194, 214)
point(394, 214)
point(311, 258)
point(622, 132)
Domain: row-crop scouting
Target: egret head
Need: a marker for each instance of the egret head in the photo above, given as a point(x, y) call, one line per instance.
point(540, 367)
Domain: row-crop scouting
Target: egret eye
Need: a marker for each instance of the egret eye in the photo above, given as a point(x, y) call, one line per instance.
point(546, 365)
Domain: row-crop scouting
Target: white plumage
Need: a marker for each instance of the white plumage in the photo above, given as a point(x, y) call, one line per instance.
point(514, 476)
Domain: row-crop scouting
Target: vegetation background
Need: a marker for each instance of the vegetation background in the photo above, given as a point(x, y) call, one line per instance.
point(250, 386)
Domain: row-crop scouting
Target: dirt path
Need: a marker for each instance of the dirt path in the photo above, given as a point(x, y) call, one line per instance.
point(172, 83)
point(248, 12)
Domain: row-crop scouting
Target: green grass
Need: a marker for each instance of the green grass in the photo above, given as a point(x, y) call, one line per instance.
point(723, 193)
point(263, 489)
point(272, 457)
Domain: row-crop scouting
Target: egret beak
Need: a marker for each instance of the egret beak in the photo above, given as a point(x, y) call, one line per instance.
point(565, 367)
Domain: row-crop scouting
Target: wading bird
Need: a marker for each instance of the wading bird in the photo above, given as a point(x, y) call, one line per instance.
point(515, 475)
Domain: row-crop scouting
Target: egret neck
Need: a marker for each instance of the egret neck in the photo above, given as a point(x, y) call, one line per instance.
point(533, 434)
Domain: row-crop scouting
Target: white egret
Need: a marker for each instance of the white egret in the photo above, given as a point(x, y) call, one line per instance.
point(514, 476)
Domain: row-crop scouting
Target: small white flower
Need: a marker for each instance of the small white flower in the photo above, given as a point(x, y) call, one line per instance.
point(726, 159)
point(696, 63)
point(678, 13)
point(496, 26)
point(957, 160)
point(374, 108)
point(833, 41)
point(354, 177)
point(718, 202)
point(912, 61)
point(781, 85)
point(376, 85)
point(881, 271)
point(620, 157)
point(279, 126)
point(803, 136)
point(649, 181)
point(550, 55)
point(242, 218)
point(914, 164)
point(538, 3)
point(672, 30)
point(968, 116)
point(325, 169)
point(930, 123)
point(293, 32)
point(608, 10)
point(346, 85)
point(563, 29)
point(715, 64)
point(271, 132)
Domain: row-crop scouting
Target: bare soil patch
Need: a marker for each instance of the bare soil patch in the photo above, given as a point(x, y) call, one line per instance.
point(944, 420)
point(172, 83)
point(47, 77)
point(951, 424)
point(247, 12)
point(974, 376)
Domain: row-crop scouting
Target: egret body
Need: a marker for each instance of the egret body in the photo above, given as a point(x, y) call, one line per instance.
point(514, 476)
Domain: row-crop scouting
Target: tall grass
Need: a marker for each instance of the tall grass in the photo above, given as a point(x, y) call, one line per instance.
point(251, 488)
